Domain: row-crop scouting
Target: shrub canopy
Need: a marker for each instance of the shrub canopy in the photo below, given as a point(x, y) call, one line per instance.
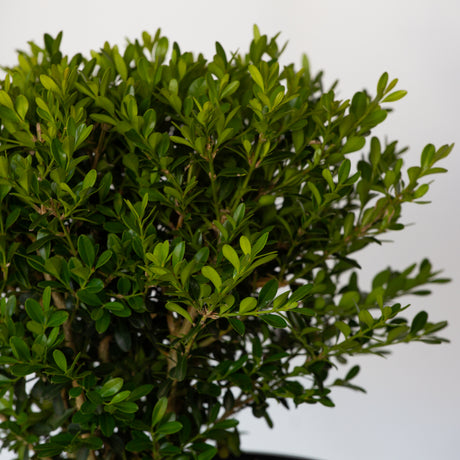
point(177, 241)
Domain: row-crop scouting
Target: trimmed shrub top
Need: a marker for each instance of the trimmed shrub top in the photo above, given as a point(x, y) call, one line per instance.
point(177, 241)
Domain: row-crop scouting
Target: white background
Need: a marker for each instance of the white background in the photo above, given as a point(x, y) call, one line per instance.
point(412, 407)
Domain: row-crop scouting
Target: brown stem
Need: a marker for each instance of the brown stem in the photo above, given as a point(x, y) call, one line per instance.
point(239, 404)
point(103, 349)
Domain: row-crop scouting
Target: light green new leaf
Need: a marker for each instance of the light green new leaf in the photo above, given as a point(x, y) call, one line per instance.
point(213, 276)
point(395, 96)
point(111, 387)
point(90, 179)
point(256, 76)
point(120, 64)
point(245, 245)
point(231, 255)
point(247, 304)
point(171, 306)
point(60, 360)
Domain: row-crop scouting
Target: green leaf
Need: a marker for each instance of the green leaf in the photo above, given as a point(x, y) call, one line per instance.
point(268, 293)
point(259, 244)
point(326, 173)
point(104, 258)
point(179, 372)
point(90, 179)
point(211, 274)
point(358, 105)
point(382, 83)
point(366, 318)
point(107, 424)
point(231, 255)
point(274, 320)
point(237, 325)
point(140, 391)
point(75, 391)
point(208, 454)
point(120, 65)
point(46, 298)
point(138, 445)
point(57, 318)
point(171, 306)
point(35, 311)
point(301, 292)
point(22, 106)
point(305, 311)
point(256, 76)
point(343, 328)
point(159, 411)
point(427, 156)
point(419, 322)
point(229, 89)
point(49, 84)
point(58, 152)
point(238, 215)
point(353, 144)
point(352, 373)
point(114, 306)
point(60, 360)
point(315, 193)
point(111, 387)
point(20, 349)
point(6, 100)
point(169, 428)
point(119, 397)
point(395, 96)
point(21, 370)
point(127, 407)
point(245, 245)
point(103, 118)
point(344, 171)
point(86, 250)
point(178, 253)
point(247, 304)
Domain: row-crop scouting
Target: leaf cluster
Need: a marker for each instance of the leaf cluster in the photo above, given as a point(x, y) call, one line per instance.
point(177, 243)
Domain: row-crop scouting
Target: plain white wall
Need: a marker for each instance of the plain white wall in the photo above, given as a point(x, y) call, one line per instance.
point(411, 409)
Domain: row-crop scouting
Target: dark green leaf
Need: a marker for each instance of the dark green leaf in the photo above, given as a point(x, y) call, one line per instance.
point(274, 320)
point(268, 293)
point(237, 325)
point(159, 411)
point(169, 428)
point(57, 318)
point(419, 322)
point(20, 349)
point(86, 250)
point(35, 311)
point(301, 292)
point(107, 424)
point(127, 407)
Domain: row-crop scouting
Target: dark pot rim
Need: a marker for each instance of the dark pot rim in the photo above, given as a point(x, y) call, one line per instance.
point(264, 456)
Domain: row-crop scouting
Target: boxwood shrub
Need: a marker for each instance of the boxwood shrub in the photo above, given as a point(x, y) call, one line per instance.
point(178, 240)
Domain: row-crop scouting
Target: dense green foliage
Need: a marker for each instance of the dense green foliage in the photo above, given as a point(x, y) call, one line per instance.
point(176, 244)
